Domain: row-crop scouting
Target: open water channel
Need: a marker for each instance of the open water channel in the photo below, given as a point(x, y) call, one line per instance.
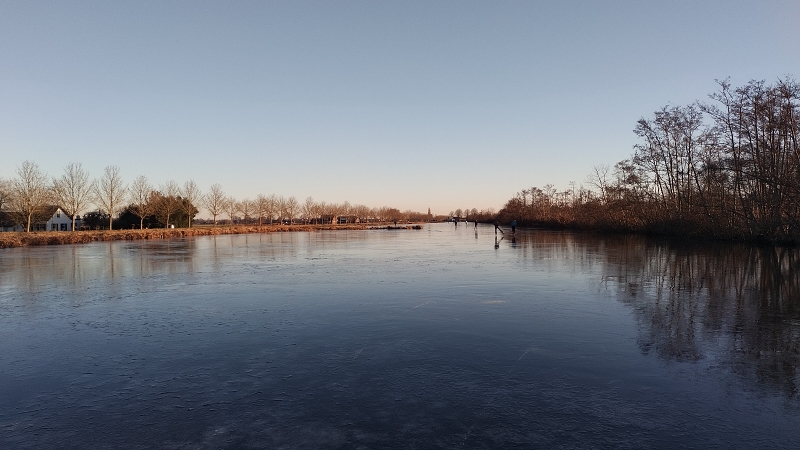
point(439, 338)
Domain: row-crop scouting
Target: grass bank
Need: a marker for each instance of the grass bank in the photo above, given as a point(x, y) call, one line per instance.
point(21, 239)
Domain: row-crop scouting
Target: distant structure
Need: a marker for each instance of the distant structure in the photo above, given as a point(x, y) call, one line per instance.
point(51, 218)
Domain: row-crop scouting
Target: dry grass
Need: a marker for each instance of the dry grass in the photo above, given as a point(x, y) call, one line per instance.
point(20, 239)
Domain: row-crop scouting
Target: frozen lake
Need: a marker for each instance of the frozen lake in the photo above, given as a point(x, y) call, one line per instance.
point(439, 338)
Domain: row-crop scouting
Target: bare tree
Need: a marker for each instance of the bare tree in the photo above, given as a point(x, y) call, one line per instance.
point(6, 189)
point(261, 207)
point(272, 207)
point(292, 207)
point(191, 194)
point(345, 210)
point(318, 212)
point(599, 178)
point(170, 203)
point(73, 191)
point(363, 213)
point(322, 212)
point(309, 208)
point(231, 207)
point(246, 207)
point(671, 154)
point(214, 201)
point(140, 195)
point(280, 208)
point(393, 214)
point(30, 193)
point(110, 192)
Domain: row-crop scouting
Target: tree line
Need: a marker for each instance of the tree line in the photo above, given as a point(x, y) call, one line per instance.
point(473, 215)
point(26, 198)
point(727, 168)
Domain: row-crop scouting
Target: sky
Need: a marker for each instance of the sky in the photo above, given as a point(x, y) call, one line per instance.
point(408, 104)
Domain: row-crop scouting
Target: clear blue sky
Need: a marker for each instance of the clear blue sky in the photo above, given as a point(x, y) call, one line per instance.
point(440, 104)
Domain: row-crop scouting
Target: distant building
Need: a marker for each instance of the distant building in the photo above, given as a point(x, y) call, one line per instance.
point(347, 219)
point(57, 220)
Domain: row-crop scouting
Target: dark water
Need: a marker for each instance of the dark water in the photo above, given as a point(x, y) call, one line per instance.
point(401, 339)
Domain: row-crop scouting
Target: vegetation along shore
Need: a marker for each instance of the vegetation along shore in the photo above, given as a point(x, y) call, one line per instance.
point(728, 169)
point(22, 239)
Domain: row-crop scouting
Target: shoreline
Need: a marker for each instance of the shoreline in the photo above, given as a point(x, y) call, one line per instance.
point(15, 239)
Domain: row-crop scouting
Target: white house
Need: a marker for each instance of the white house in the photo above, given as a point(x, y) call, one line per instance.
point(60, 221)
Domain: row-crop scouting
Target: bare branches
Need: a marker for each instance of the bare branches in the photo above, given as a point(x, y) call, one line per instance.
point(246, 207)
point(110, 192)
point(262, 208)
point(191, 195)
point(736, 175)
point(231, 208)
point(141, 193)
point(6, 190)
point(599, 178)
point(73, 191)
point(169, 202)
point(214, 201)
point(309, 209)
point(291, 208)
point(30, 193)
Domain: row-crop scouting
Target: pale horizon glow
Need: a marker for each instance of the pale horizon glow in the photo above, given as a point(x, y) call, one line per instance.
point(411, 104)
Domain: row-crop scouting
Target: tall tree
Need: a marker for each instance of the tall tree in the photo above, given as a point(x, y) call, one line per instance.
point(246, 207)
point(140, 194)
point(322, 212)
point(73, 191)
point(292, 207)
point(346, 211)
point(191, 196)
point(6, 190)
point(110, 192)
point(170, 202)
point(599, 178)
point(214, 201)
point(231, 207)
point(30, 193)
point(280, 208)
point(272, 207)
point(309, 208)
point(261, 207)
point(760, 137)
point(671, 155)
point(393, 214)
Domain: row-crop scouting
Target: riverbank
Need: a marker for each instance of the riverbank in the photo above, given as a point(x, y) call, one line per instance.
point(21, 239)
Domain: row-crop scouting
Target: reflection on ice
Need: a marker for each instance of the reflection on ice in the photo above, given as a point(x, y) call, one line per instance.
point(443, 337)
point(736, 303)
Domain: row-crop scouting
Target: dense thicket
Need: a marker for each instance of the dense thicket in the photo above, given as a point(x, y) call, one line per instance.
point(729, 168)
